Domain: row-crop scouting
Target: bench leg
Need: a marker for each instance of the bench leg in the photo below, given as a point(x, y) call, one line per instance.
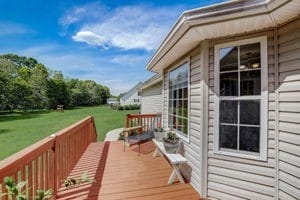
point(176, 172)
point(156, 152)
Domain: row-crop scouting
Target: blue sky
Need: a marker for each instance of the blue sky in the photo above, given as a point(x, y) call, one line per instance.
point(106, 41)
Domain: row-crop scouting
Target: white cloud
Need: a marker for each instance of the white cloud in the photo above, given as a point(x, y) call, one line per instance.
point(89, 11)
point(128, 60)
point(90, 38)
point(131, 27)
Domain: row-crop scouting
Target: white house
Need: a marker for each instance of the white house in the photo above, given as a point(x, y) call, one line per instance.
point(231, 90)
point(132, 96)
point(112, 101)
point(151, 95)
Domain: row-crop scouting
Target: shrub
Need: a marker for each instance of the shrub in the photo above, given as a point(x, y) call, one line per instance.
point(129, 107)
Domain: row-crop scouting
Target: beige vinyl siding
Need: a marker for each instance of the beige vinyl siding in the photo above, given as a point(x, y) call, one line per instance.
point(152, 99)
point(191, 147)
point(289, 110)
point(238, 178)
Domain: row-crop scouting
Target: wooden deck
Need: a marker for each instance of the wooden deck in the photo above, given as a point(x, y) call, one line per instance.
point(125, 175)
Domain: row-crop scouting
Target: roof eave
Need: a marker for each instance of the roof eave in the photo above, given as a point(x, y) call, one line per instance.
point(212, 15)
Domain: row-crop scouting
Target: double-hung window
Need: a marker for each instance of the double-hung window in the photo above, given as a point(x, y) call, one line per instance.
point(241, 88)
point(178, 83)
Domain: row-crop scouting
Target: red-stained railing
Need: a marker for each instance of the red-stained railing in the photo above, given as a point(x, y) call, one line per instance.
point(47, 163)
point(147, 121)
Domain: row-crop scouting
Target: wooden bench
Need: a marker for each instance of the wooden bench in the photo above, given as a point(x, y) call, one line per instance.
point(175, 160)
point(138, 138)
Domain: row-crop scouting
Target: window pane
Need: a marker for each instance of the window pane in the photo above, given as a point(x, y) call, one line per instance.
point(228, 137)
point(228, 112)
point(249, 138)
point(228, 59)
point(179, 108)
point(250, 112)
point(250, 56)
point(185, 108)
point(229, 84)
point(174, 107)
point(174, 122)
point(185, 92)
point(180, 124)
point(185, 126)
point(180, 93)
point(250, 83)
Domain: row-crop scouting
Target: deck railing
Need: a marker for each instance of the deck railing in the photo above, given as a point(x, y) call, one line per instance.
point(47, 163)
point(147, 121)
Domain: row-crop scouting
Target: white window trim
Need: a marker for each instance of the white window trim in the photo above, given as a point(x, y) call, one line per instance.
point(262, 155)
point(185, 61)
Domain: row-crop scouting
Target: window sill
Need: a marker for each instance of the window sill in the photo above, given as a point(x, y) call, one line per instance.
point(241, 155)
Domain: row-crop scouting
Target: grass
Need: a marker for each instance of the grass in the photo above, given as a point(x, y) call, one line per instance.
point(19, 130)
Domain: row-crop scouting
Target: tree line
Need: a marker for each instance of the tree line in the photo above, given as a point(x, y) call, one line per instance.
point(26, 84)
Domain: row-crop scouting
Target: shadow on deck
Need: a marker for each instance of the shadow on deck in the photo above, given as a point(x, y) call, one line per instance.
point(125, 175)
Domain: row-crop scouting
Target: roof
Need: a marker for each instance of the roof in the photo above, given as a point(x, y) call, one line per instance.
point(136, 87)
point(220, 20)
point(152, 81)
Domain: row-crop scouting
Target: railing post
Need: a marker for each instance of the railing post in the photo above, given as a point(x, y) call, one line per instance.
point(127, 120)
point(55, 186)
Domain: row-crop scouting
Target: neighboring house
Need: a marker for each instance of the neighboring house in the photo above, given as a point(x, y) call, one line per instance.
point(132, 96)
point(112, 101)
point(231, 78)
point(151, 95)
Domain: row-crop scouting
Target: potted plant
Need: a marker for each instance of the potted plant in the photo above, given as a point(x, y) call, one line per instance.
point(171, 142)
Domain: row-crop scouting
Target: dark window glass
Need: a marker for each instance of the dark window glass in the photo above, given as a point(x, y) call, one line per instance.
point(185, 126)
point(228, 59)
point(250, 83)
point(185, 92)
point(228, 137)
point(229, 84)
point(185, 108)
point(250, 112)
point(180, 93)
point(250, 56)
point(249, 138)
point(174, 96)
point(228, 112)
point(174, 120)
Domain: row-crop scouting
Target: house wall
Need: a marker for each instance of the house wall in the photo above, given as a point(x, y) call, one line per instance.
point(129, 98)
point(289, 110)
point(151, 100)
point(192, 147)
point(231, 177)
point(279, 176)
point(238, 178)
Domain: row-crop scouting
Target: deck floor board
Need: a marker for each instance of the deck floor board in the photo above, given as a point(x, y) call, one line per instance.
point(125, 175)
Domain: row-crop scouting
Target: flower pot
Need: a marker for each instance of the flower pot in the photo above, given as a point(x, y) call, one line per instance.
point(171, 147)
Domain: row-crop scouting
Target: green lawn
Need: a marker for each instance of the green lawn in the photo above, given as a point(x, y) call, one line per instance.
point(19, 130)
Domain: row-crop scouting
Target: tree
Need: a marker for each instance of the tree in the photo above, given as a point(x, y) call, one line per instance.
point(57, 91)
